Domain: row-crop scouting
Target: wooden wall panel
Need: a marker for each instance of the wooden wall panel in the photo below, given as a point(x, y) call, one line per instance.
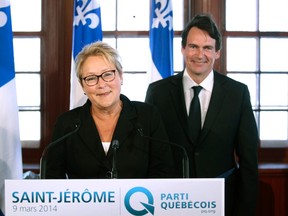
point(273, 190)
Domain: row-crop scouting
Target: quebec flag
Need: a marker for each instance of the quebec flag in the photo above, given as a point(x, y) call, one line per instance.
point(10, 145)
point(87, 28)
point(161, 39)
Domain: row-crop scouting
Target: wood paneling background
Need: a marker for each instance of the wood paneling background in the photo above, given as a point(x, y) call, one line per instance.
point(273, 190)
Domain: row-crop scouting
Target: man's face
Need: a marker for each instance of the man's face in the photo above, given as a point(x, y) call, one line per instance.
point(199, 53)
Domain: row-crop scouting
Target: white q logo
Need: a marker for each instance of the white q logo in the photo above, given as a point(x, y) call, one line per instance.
point(3, 16)
point(3, 19)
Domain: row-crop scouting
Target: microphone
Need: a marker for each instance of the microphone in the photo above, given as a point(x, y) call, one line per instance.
point(51, 145)
point(115, 146)
point(185, 159)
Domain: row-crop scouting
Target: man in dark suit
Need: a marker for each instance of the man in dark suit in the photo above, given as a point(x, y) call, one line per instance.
point(227, 144)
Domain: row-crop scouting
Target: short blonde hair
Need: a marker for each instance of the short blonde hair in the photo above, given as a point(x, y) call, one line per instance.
point(98, 48)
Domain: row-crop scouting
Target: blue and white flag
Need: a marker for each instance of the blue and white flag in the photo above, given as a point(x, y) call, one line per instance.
point(161, 39)
point(10, 145)
point(87, 28)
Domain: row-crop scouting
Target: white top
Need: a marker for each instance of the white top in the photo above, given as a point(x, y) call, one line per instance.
point(204, 95)
point(106, 146)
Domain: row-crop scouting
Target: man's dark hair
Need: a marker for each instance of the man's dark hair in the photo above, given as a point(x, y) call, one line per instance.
point(206, 23)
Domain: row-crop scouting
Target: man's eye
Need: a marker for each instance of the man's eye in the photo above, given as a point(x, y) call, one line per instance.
point(192, 46)
point(209, 48)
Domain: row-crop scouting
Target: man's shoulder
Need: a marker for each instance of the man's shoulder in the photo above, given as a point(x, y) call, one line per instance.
point(227, 80)
point(172, 80)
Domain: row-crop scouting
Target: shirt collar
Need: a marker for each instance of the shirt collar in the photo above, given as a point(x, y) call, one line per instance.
point(207, 83)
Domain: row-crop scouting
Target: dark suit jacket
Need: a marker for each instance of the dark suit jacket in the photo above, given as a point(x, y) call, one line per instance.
point(229, 127)
point(82, 156)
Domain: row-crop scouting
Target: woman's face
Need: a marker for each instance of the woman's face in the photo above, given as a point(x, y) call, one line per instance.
point(103, 95)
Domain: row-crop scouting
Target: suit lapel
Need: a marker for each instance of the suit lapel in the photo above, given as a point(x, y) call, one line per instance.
point(217, 98)
point(126, 123)
point(89, 134)
point(178, 102)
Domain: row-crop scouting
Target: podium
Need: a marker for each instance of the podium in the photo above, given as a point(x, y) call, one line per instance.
point(115, 197)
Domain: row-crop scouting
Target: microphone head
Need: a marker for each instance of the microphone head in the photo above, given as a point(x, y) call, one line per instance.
point(115, 144)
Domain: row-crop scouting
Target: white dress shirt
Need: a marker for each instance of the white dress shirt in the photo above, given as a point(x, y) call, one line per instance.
point(204, 95)
point(106, 146)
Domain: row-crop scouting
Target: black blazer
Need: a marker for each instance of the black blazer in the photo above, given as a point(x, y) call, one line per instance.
point(82, 156)
point(229, 128)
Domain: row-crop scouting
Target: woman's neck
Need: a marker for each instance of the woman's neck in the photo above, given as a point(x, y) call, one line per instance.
point(106, 121)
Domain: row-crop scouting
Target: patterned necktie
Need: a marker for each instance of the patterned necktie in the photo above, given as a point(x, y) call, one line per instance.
point(195, 115)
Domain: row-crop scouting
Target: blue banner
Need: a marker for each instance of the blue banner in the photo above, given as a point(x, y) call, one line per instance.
point(87, 28)
point(7, 72)
point(87, 24)
point(10, 145)
point(161, 39)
